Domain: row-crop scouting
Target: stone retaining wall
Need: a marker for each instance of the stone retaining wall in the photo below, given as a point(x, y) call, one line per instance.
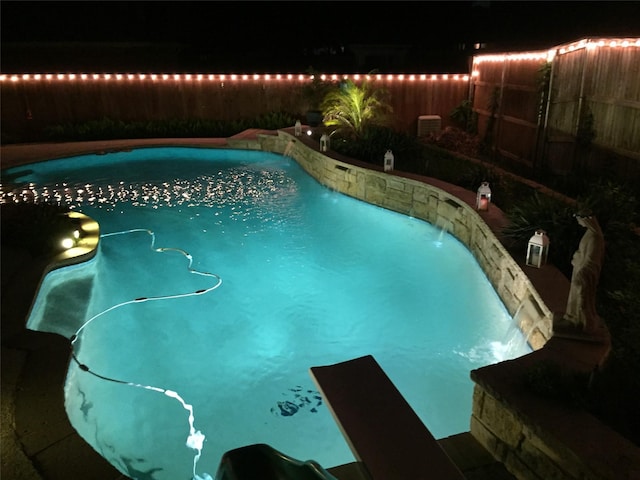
point(539, 438)
point(434, 205)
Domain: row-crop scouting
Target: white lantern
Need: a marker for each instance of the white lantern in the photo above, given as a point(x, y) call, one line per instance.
point(538, 249)
point(324, 142)
point(388, 161)
point(483, 198)
point(297, 130)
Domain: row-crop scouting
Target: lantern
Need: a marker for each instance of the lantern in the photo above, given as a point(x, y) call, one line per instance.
point(388, 161)
point(297, 129)
point(538, 249)
point(324, 142)
point(483, 198)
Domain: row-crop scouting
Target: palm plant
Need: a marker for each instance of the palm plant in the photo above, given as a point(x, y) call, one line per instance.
point(352, 108)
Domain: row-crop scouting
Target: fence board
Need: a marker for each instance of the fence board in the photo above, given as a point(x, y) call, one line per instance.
point(598, 78)
point(56, 101)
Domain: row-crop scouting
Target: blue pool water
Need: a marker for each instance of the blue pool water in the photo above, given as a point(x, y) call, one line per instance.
point(266, 274)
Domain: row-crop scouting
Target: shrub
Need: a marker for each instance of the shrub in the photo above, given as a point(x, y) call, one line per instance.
point(465, 118)
point(551, 214)
point(550, 380)
point(353, 109)
point(455, 140)
point(109, 129)
point(375, 140)
point(23, 225)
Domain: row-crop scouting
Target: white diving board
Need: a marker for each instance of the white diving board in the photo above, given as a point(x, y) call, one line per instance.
point(382, 430)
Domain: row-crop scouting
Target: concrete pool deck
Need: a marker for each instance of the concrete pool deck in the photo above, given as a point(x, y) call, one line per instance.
point(38, 441)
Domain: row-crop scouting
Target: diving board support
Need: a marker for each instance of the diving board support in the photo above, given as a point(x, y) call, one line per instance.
point(382, 430)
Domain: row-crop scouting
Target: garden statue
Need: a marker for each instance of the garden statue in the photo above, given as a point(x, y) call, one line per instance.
point(581, 315)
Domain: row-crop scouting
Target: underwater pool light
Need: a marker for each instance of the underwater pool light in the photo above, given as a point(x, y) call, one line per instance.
point(70, 242)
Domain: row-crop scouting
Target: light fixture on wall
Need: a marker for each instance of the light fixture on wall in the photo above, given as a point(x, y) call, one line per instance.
point(538, 249)
point(483, 197)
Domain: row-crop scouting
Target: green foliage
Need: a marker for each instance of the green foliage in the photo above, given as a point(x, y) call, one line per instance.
point(110, 129)
point(612, 203)
point(544, 84)
point(455, 140)
point(443, 164)
point(616, 388)
point(371, 145)
point(617, 210)
point(551, 214)
point(465, 118)
point(272, 121)
point(352, 109)
point(618, 302)
point(552, 381)
point(618, 299)
point(493, 106)
point(585, 133)
point(23, 225)
point(317, 89)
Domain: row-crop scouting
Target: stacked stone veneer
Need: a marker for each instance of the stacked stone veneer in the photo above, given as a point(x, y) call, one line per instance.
point(536, 439)
point(527, 449)
point(434, 205)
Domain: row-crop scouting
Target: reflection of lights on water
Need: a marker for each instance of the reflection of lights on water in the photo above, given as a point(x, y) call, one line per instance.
point(216, 190)
point(205, 190)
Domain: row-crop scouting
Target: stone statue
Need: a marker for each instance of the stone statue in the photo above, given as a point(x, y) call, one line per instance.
point(581, 314)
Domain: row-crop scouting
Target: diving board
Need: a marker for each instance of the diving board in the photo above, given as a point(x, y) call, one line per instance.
point(381, 428)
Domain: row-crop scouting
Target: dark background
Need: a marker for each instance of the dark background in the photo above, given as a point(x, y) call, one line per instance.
point(265, 36)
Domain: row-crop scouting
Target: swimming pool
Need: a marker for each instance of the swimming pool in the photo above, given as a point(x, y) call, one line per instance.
point(308, 277)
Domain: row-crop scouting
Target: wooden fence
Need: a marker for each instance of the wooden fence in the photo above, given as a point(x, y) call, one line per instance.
point(34, 101)
point(507, 100)
point(595, 99)
point(584, 115)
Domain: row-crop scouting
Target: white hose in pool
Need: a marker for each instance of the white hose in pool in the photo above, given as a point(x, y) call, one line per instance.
point(196, 438)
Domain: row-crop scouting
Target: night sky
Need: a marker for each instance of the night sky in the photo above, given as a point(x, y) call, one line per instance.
point(253, 36)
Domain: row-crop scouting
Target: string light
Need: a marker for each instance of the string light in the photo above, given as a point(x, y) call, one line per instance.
point(188, 77)
point(547, 55)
